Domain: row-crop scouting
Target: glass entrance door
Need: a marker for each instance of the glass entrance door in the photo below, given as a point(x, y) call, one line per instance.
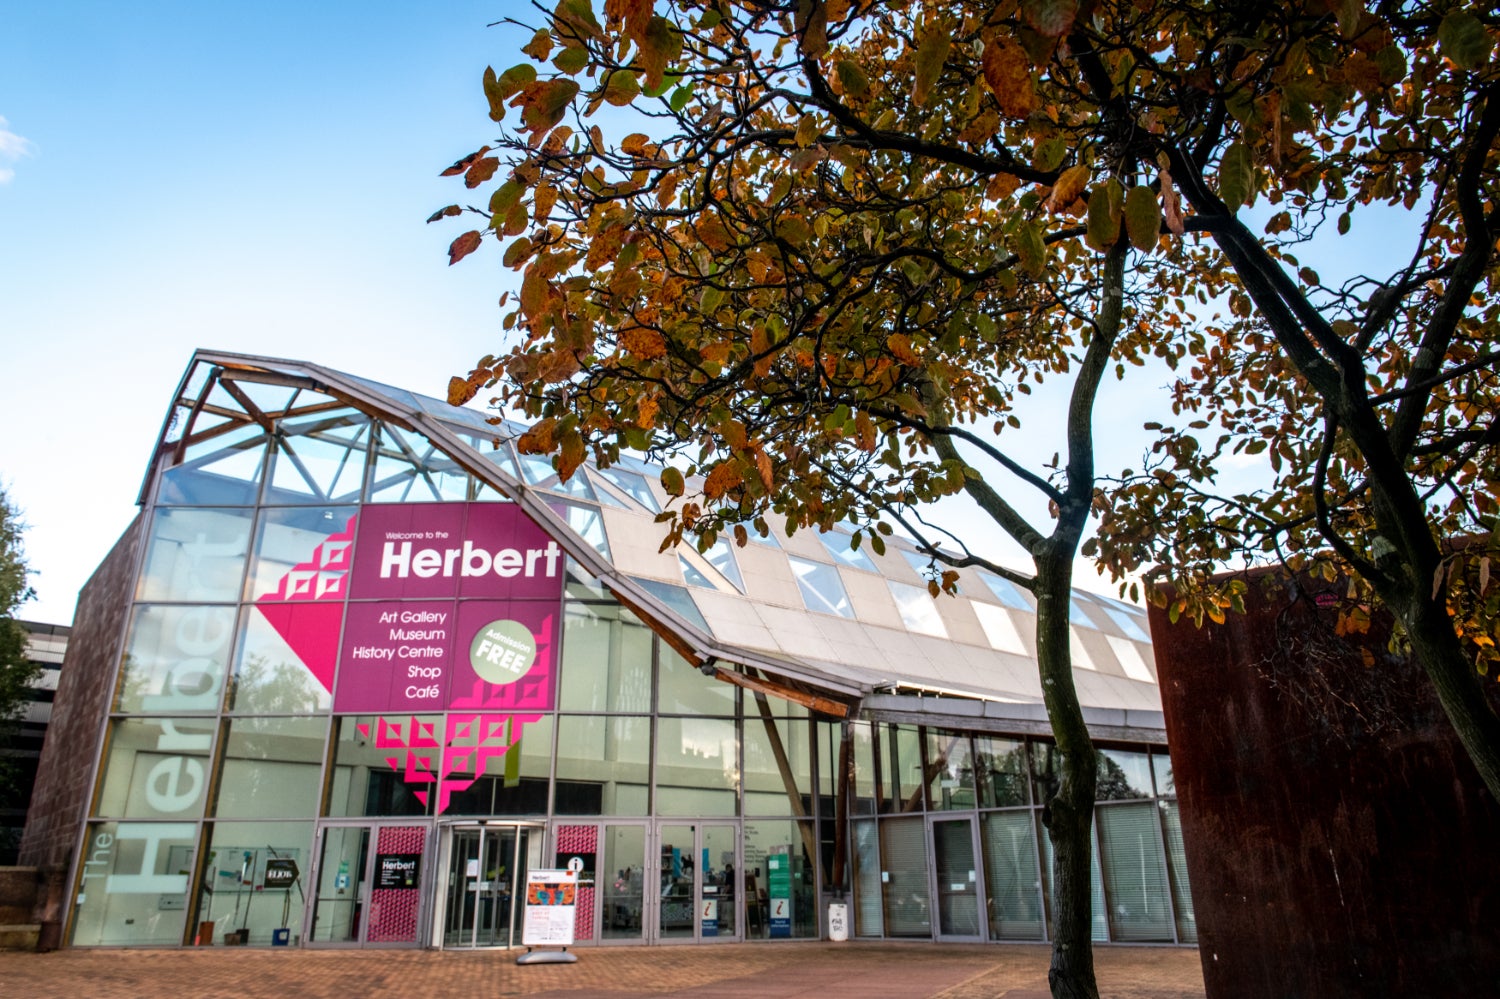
point(370, 882)
point(956, 874)
point(696, 877)
point(486, 867)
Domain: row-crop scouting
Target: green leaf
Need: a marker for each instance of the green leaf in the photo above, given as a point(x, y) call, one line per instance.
point(659, 48)
point(546, 103)
point(671, 481)
point(1106, 204)
point(1236, 175)
point(572, 59)
point(1142, 218)
point(506, 196)
point(621, 88)
point(932, 52)
point(1031, 249)
point(679, 98)
point(1464, 40)
point(517, 252)
point(851, 77)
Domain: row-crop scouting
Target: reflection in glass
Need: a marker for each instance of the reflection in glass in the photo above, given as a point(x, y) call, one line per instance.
point(822, 589)
point(156, 768)
point(320, 459)
point(901, 781)
point(770, 787)
point(175, 659)
point(137, 884)
point(1001, 768)
point(918, 610)
point(1123, 774)
point(269, 677)
point(223, 470)
point(622, 867)
point(272, 768)
point(840, 546)
point(603, 765)
point(1182, 898)
point(195, 556)
point(788, 846)
point(288, 537)
point(365, 782)
point(950, 770)
point(684, 690)
point(697, 766)
point(235, 895)
point(606, 659)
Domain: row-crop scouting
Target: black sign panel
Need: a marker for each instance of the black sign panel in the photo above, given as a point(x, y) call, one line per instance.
point(281, 873)
point(397, 870)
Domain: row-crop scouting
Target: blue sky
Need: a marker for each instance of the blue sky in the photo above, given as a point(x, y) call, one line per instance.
point(244, 177)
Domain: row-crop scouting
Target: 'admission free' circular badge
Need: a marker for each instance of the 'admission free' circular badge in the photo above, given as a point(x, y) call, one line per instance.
point(502, 652)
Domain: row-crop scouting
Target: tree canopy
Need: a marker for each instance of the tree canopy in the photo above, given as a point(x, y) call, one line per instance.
point(815, 251)
point(17, 672)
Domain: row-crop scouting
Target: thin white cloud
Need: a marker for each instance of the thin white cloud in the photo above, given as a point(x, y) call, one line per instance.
point(12, 148)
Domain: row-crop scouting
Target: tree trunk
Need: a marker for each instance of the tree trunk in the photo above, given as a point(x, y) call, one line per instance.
point(1069, 814)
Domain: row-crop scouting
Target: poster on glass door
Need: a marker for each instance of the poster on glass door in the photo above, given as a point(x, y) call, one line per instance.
point(551, 907)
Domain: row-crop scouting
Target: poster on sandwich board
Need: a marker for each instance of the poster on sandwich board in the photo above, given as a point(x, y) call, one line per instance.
point(551, 905)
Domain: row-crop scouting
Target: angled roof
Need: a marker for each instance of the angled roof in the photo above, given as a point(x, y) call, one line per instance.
point(851, 626)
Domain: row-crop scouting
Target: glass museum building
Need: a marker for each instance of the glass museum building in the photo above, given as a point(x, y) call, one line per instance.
point(358, 666)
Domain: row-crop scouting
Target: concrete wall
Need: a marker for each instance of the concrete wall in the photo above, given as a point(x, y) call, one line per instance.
point(61, 795)
point(1339, 842)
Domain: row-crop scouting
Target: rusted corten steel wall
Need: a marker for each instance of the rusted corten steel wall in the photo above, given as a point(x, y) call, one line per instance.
point(87, 681)
point(1339, 842)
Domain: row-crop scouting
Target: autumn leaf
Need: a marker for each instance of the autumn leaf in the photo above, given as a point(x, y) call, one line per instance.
point(1068, 187)
point(1051, 18)
point(570, 453)
point(812, 28)
point(932, 52)
point(643, 343)
point(538, 437)
point(900, 346)
point(1171, 207)
point(464, 163)
point(621, 88)
point(646, 409)
point(444, 213)
point(1142, 218)
point(545, 103)
point(460, 391)
point(671, 481)
point(1007, 70)
point(723, 477)
point(463, 246)
point(659, 47)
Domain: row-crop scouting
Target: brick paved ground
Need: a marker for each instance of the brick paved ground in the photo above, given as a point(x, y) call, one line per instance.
point(762, 971)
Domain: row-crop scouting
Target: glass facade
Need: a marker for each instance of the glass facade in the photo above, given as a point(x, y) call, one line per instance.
point(290, 726)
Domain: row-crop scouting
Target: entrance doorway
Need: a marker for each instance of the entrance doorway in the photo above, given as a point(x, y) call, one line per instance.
point(654, 882)
point(956, 881)
point(486, 865)
point(371, 880)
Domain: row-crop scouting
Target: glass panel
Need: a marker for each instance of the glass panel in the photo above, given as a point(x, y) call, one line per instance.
point(157, 768)
point(918, 610)
point(869, 921)
point(601, 494)
point(1011, 876)
point(483, 873)
point(385, 765)
point(780, 888)
point(1135, 873)
point(337, 909)
point(1000, 628)
point(684, 690)
point(635, 485)
point(175, 660)
point(1161, 763)
point(1006, 592)
point(903, 855)
point(410, 469)
point(320, 460)
point(1078, 616)
point(957, 877)
point(697, 766)
point(603, 765)
point(691, 575)
point(675, 913)
point(196, 555)
point(1182, 897)
point(766, 782)
point(720, 555)
point(290, 538)
point(538, 471)
point(837, 543)
point(864, 769)
point(676, 598)
point(134, 887)
point(586, 522)
point(717, 892)
point(1001, 768)
point(269, 677)
point(1132, 623)
point(223, 470)
point(950, 770)
point(272, 768)
point(901, 769)
point(464, 877)
point(1123, 774)
point(238, 902)
point(606, 659)
point(822, 589)
point(624, 855)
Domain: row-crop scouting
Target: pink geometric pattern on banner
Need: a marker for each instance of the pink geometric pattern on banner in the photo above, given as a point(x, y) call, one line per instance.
point(533, 692)
point(412, 735)
point(471, 741)
point(308, 604)
point(571, 840)
point(393, 911)
point(468, 743)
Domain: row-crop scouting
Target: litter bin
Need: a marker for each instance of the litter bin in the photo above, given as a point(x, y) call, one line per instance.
point(838, 921)
point(281, 937)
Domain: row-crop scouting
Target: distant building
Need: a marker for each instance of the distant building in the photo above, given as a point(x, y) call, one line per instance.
point(359, 664)
point(21, 740)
